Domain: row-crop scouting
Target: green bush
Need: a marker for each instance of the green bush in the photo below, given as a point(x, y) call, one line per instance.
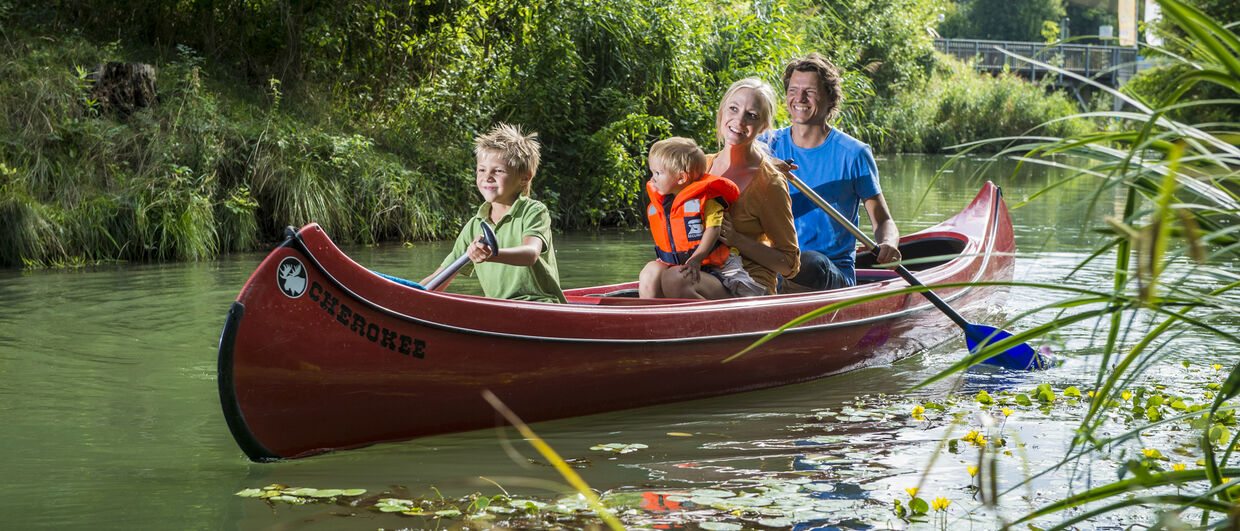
point(958, 105)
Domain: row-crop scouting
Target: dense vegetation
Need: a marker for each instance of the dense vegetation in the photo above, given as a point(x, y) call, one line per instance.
point(359, 115)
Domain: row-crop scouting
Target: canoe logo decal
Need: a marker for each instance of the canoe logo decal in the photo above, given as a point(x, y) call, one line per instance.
point(291, 277)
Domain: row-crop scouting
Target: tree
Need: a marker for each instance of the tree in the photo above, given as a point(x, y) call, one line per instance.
point(1001, 19)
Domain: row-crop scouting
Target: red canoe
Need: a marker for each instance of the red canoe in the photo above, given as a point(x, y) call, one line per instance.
point(319, 353)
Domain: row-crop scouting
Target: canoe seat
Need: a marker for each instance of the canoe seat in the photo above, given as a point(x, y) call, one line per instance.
point(599, 300)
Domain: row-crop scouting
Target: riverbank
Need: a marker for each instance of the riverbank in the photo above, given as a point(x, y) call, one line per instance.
point(231, 152)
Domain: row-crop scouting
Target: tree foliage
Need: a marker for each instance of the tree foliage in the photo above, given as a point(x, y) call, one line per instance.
point(360, 114)
point(1002, 19)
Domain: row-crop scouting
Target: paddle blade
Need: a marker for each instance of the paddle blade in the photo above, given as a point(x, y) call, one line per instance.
point(1021, 357)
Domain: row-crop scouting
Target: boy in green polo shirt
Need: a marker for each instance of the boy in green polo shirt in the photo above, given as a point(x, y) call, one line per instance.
point(523, 268)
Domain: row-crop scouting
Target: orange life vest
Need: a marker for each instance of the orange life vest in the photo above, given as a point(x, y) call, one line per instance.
point(678, 230)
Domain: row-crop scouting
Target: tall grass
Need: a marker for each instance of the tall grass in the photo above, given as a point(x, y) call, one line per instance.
point(1173, 240)
point(187, 179)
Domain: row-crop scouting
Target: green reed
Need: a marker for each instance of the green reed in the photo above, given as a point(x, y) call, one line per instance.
point(1172, 234)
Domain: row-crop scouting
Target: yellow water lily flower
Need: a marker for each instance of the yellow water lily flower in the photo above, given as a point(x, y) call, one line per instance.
point(1178, 467)
point(940, 503)
point(1218, 366)
point(1152, 453)
point(918, 411)
point(1125, 395)
point(1007, 412)
point(972, 471)
point(971, 436)
point(912, 492)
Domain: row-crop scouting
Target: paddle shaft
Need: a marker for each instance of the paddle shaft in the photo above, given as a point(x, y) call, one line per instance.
point(869, 242)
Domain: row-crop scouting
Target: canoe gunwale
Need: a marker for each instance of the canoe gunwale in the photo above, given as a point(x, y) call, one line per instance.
point(296, 243)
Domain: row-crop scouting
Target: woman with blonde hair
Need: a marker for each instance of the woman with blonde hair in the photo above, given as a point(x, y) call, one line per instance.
point(758, 225)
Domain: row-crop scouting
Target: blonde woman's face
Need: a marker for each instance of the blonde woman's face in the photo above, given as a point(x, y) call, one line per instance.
point(742, 118)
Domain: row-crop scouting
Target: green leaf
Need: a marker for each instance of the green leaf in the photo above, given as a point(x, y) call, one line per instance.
point(919, 506)
point(1218, 434)
point(984, 398)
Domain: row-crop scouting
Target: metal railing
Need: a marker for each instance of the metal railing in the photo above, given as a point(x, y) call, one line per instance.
point(1109, 64)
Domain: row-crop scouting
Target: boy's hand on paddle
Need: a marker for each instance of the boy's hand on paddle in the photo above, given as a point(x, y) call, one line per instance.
point(478, 251)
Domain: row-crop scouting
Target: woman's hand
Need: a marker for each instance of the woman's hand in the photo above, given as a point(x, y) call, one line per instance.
point(730, 236)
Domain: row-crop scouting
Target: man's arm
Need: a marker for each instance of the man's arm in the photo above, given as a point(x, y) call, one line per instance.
point(886, 235)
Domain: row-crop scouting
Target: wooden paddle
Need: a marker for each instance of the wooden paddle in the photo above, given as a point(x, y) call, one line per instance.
point(1020, 357)
point(488, 239)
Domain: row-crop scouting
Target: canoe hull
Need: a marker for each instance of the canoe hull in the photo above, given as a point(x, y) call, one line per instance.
point(321, 354)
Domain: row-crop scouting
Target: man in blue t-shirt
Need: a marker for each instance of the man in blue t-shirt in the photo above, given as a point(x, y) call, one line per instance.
point(839, 168)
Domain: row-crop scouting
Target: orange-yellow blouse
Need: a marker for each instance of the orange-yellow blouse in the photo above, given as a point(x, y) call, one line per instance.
point(764, 212)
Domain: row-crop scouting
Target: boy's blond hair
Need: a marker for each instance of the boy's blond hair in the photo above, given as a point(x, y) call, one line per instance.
point(519, 150)
point(679, 154)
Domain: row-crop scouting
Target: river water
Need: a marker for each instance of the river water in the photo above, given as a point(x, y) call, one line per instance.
point(111, 417)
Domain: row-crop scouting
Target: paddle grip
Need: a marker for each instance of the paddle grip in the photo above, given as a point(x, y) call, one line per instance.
point(488, 239)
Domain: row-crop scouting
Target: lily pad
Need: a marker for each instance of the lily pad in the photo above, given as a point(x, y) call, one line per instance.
point(750, 501)
point(302, 491)
point(327, 493)
point(720, 526)
point(620, 448)
point(819, 487)
point(712, 493)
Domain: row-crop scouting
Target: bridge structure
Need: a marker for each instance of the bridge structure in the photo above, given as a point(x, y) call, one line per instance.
point(1108, 65)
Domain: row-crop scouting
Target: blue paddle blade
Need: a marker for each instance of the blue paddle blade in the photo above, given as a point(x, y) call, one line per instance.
point(399, 280)
point(1021, 357)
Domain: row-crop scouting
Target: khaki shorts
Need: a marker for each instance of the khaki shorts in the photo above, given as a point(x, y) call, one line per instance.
point(736, 280)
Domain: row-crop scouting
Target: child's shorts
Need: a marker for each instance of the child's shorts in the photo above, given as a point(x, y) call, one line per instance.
point(735, 279)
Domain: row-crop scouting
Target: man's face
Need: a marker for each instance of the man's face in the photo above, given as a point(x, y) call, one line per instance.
point(804, 99)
